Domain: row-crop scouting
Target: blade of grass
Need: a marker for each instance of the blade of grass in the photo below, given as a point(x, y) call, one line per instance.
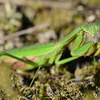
point(34, 77)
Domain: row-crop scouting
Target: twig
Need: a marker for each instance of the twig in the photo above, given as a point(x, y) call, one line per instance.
point(54, 4)
point(26, 31)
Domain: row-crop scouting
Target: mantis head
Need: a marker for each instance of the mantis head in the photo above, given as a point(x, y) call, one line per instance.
point(92, 29)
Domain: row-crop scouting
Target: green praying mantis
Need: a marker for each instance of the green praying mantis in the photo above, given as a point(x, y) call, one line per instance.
point(45, 54)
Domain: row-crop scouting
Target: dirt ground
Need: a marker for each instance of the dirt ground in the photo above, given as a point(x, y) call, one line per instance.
point(31, 22)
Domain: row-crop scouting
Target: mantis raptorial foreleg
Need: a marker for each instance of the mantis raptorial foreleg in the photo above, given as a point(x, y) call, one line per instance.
point(86, 49)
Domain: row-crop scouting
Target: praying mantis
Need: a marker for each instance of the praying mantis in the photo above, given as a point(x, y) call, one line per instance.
point(46, 54)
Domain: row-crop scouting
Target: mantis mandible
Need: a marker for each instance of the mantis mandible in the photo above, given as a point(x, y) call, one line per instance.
point(46, 54)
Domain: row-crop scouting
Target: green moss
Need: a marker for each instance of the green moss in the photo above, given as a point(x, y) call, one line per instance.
point(6, 85)
point(88, 95)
